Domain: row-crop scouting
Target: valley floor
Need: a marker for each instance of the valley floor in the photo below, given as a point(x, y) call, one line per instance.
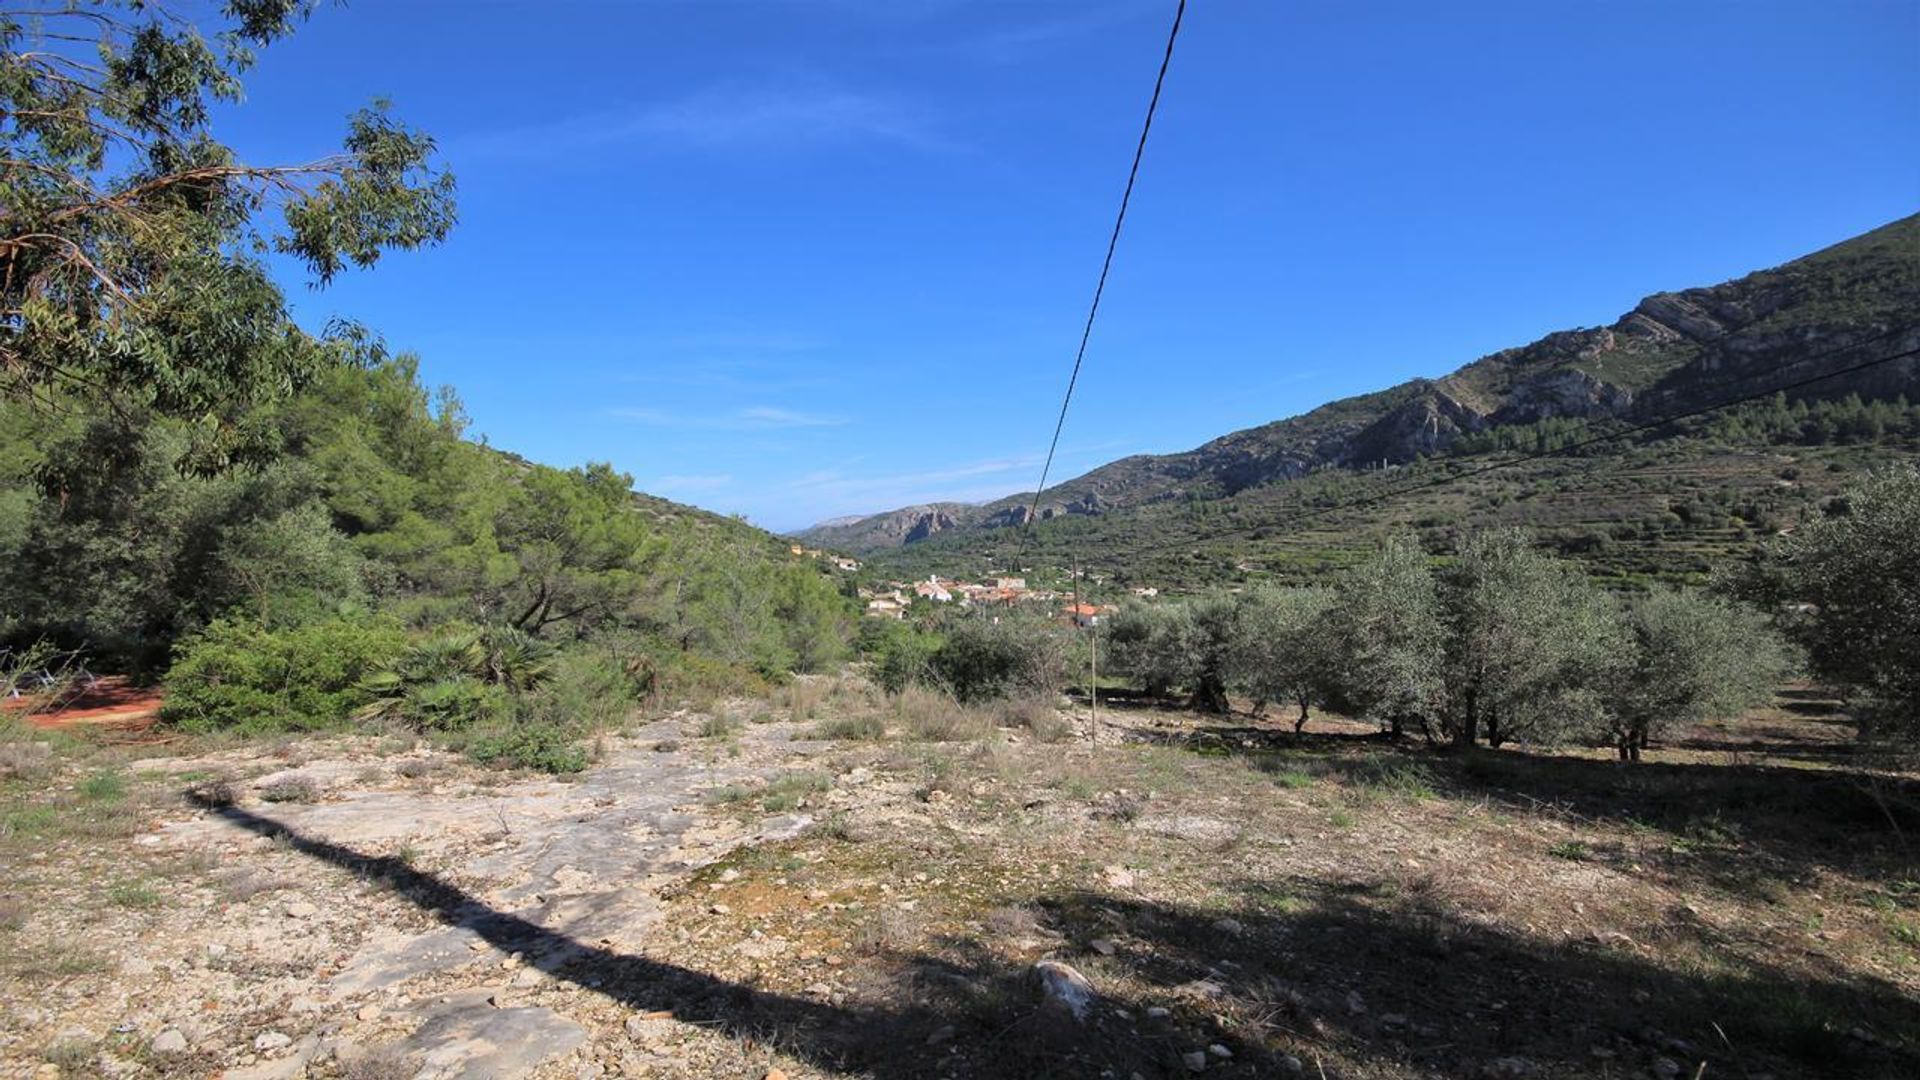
point(747, 900)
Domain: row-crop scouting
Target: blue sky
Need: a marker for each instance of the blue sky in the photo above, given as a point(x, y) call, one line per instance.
point(803, 259)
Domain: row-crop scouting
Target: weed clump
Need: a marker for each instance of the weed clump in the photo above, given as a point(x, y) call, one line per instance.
point(931, 716)
point(105, 786)
point(292, 789)
point(1038, 717)
point(23, 760)
point(861, 727)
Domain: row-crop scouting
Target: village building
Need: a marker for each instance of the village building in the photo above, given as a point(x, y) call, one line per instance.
point(1082, 615)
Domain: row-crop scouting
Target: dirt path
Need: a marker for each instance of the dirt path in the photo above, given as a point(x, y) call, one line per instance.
point(407, 909)
point(108, 702)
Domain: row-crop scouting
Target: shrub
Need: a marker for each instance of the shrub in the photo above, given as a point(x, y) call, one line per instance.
point(20, 759)
point(801, 697)
point(690, 676)
point(526, 744)
point(901, 654)
point(859, 726)
point(457, 677)
point(982, 660)
point(243, 677)
point(789, 790)
point(291, 789)
point(585, 688)
point(104, 786)
point(1384, 775)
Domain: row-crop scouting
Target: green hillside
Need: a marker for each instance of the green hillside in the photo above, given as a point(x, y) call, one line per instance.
point(1663, 505)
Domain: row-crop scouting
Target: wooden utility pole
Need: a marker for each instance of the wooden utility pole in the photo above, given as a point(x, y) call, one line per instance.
point(1093, 681)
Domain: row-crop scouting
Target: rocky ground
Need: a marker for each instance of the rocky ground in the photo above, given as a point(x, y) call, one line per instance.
point(1183, 895)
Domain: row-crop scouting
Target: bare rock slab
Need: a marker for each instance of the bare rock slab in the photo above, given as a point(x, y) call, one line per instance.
point(468, 1038)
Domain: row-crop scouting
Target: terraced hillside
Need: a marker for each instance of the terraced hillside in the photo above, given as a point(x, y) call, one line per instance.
point(1237, 497)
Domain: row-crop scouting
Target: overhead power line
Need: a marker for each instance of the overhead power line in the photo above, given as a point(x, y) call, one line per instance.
point(1106, 266)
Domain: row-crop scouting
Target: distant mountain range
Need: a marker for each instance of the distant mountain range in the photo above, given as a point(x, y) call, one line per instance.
point(1672, 352)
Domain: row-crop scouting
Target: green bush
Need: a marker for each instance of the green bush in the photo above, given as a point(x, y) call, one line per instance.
point(526, 744)
point(691, 676)
point(982, 660)
point(585, 688)
point(239, 676)
point(901, 654)
point(458, 677)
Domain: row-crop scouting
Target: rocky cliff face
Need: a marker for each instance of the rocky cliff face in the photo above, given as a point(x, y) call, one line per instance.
point(1671, 352)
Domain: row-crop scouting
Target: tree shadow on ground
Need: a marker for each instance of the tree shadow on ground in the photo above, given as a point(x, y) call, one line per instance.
point(1741, 825)
point(1437, 993)
point(1404, 985)
point(829, 1036)
point(1744, 827)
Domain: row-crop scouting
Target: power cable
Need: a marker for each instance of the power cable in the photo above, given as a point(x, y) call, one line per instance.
point(1113, 242)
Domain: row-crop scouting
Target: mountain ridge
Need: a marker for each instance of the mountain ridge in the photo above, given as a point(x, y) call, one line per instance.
point(1671, 351)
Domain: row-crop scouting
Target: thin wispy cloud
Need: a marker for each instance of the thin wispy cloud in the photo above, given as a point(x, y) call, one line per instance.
point(1019, 40)
point(954, 483)
point(752, 418)
point(846, 490)
point(722, 118)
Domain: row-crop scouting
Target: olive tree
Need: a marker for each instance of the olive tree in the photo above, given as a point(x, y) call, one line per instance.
point(1384, 628)
point(1691, 657)
point(1858, 570)
point(1185, 645)
point(1152, 644)
point(1528, 639)
point(1279, 652)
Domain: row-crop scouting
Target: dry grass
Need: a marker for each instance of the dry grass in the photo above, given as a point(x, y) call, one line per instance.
point(864, 726)
point(930, 716)
point(1249, 890)
point(21, 759)
point(802, 698)
point(1038, 717)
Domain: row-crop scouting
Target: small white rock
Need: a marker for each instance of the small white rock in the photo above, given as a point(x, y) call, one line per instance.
point(272, 1040)
point(170, 1041)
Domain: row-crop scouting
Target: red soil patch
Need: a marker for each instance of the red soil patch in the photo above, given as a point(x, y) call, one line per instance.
point(108, 702)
